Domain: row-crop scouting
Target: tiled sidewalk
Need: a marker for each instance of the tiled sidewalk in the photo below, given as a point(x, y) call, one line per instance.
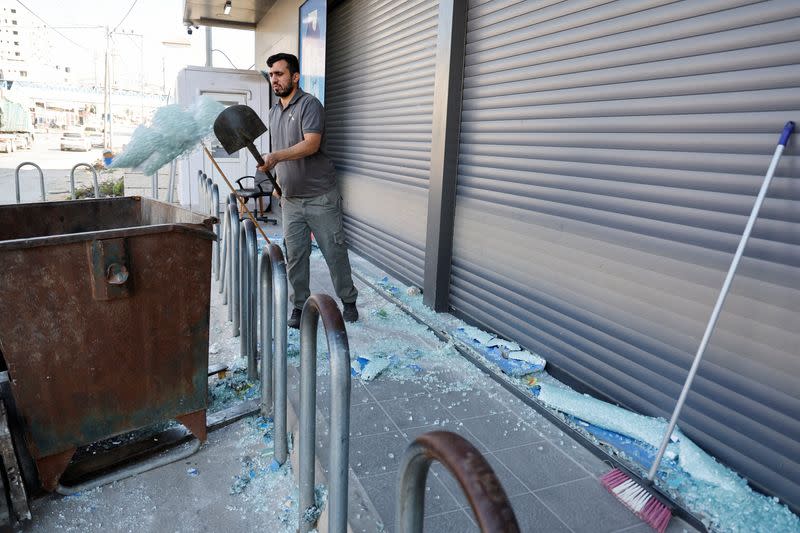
point(551, 480)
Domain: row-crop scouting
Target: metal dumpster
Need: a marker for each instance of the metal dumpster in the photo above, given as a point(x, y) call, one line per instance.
point(104, 314)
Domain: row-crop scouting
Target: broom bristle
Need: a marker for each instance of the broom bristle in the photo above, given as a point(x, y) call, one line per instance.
point(638, 499)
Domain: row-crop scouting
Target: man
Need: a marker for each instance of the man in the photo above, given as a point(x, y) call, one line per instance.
point(311, 201)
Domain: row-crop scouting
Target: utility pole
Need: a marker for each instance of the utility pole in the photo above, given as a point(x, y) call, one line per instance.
point(209, 61)
point(106, 100)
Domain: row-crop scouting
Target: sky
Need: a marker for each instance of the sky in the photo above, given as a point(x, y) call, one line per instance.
point(78, 39)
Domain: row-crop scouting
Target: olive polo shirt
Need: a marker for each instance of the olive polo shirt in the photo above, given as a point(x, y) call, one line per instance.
point(310, 176)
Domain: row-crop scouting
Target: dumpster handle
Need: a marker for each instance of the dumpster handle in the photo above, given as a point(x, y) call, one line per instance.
point(274, 304)
point(72, 180)
point(484, 492)
point(176, 454)
point(247, 295)
point(322, 305)
point(233, 282)
point(41, 178)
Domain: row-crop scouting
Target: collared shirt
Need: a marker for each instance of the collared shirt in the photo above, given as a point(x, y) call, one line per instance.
point(310, 176)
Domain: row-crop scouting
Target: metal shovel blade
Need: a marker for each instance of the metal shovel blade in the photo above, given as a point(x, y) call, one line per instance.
point(238, 126)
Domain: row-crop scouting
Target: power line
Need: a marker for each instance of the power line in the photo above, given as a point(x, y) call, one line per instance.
point(51, 27)
point(226, 57)
point(126, 16)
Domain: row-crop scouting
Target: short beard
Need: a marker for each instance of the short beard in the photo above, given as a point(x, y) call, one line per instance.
point(286, 91)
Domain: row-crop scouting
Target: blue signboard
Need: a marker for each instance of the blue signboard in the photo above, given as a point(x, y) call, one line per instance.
point(313, 22)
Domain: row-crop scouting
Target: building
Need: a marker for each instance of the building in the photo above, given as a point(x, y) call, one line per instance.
point(576, 176)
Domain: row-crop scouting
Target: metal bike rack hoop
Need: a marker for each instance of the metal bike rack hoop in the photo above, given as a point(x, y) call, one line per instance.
point(72, 180)
point(484, 492)
point(41, 178)
point(322, 305)
point(273, 296)
point(215, 259)
point(233, 260)
point(247, 295)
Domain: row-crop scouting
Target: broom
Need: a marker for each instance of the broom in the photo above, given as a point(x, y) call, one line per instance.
point(641, 498)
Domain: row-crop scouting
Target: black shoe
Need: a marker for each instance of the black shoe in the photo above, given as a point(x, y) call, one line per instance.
point(350, 313)
point(294, 320)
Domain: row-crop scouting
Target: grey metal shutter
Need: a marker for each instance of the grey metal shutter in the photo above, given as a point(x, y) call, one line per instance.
point(610, 155)
point(379, 102)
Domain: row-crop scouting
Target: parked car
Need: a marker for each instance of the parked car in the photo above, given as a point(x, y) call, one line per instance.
point(95, 136)
point(75, 140)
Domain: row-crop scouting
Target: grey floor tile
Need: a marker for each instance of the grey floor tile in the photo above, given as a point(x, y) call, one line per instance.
point(541, 465)
point(676, 525)
point(452, 522)
point(376, 454)
point(532, 515)
point(511, 485)
point(417, 411)
point(369, 419)
point(382, 490)
point(386, 389)
point(454, 426)
point(584, 505)
point(500, 431)
point(469, 404)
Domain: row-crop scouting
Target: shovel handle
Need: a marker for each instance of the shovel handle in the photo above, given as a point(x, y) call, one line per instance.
point(260, 161)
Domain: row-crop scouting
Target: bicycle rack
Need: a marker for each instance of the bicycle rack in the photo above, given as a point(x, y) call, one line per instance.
point(41, 178)
point(273, 295)
point(484, 492)
point(247, 295)
point(72, 180)
point(233, 261)
point(322, 305)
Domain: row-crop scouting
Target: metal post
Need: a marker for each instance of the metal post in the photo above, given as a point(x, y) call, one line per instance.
point(209, 186)
point(322, 305)
point(72, 180)
point(484, 492)
point(217, 229)
point(154, 185)
point(171, 181)
point(41, 179)
point(233, 295)
point(247, 268)
point(223, 267)
point(274, 299)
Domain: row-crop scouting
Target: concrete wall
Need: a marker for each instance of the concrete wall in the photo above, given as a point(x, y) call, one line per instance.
point(278, 31)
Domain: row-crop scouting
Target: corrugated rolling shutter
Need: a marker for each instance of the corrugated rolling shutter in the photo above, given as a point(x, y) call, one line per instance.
point(379, 102)
point(610, 155)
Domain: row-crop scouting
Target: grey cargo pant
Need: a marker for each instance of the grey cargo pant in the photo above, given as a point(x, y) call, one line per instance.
point(321, 215)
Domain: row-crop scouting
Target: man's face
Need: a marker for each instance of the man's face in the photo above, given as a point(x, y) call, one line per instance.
point(282, 81)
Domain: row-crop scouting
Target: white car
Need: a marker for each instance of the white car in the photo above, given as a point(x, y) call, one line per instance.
point(75, 140)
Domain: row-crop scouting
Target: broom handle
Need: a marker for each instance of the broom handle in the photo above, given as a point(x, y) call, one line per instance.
point(242, 201)
point(787, 131)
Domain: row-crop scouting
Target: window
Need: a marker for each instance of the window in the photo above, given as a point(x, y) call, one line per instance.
point(16, 43)
point(16, 54)
point(14, 22)
point(23, 73)
point(15, 32)
point(13, 10)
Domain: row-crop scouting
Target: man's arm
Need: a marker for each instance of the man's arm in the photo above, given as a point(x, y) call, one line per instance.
point(308, 146)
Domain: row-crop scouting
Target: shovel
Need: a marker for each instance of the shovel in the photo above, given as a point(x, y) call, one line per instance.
point(236, 128)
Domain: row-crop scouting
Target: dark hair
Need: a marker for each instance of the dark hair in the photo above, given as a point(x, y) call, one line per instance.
point(291, 60)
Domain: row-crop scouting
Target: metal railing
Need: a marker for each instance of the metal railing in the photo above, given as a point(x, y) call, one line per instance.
point(322, 305)
point(483, 490)
point(72, 180)
point(215, 260)
point(273, 299)
point(41, 179)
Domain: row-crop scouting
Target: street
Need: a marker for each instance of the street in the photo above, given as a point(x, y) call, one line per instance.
point(55, 164)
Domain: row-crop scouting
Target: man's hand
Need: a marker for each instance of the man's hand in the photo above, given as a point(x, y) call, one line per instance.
point(269, 162)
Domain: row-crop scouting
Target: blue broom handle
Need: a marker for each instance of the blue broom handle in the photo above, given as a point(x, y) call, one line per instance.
point(787, 131)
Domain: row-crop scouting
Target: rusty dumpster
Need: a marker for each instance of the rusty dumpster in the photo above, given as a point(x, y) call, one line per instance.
point(104, 316)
